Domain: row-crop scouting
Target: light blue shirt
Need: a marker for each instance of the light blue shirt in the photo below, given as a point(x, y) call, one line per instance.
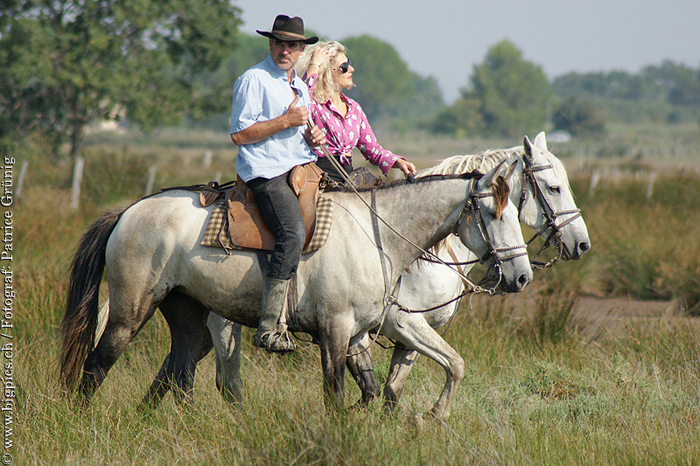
point(261, 94)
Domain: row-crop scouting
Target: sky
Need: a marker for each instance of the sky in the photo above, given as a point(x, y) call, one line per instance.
point(447, 38)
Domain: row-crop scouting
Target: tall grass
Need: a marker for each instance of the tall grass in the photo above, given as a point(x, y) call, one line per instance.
point(647, 248)
point(537, 390)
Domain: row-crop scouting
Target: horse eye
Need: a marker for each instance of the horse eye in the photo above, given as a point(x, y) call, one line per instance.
point(555, 189)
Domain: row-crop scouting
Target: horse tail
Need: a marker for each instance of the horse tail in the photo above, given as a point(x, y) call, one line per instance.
point(81, 318)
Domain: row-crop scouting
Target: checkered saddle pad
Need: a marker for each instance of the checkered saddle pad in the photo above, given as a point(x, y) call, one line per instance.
point(216, 234)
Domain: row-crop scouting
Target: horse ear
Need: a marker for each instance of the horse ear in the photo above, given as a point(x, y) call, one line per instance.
point(510, 170)
point(490, 177)
point(541, 141)
point(527, 145)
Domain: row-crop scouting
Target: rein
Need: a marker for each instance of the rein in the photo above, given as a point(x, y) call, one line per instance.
point(470, 286)
point(551, 216)
point(339, 168)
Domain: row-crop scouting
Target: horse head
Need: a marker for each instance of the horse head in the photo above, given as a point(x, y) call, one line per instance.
point(489, 227)
point(554, 212)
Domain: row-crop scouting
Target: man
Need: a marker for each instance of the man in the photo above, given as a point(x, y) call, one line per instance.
point(268, 124)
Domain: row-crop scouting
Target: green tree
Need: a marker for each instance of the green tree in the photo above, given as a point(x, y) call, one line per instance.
point(214, 87)
point(381, 76)
point(579, 118)
point(64, 63)
point(460, 119)
point(670, 82)
point(686, 88)
point(424, 103)
point(512, 91)
point(588, 84)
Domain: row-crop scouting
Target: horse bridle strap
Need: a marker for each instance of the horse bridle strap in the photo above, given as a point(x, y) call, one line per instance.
point(375, 216)
point(550, 214)
point(493, 251)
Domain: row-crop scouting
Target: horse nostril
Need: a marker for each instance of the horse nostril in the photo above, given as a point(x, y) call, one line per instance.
point(523, 281)
point(583, 247)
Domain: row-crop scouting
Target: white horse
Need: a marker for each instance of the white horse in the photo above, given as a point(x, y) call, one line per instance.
point(546, 204)
point(152, 249)
point(542, 192)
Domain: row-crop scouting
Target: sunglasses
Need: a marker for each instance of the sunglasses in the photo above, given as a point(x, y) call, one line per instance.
point(344, 67)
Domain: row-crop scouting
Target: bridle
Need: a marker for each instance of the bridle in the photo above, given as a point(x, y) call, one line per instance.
point(471, 203)
point(499, 255)
point(550, 214)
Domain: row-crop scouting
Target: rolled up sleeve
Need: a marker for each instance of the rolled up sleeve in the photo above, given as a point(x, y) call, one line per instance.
point(246, 108)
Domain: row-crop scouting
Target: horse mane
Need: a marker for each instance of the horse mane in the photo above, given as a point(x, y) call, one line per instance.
point(406, 181)
point(486, 160)
point(482, 163)
point(501, 192)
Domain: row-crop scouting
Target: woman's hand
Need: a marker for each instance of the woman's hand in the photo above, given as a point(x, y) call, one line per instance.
point(314, 136)
point(319, 57)
point(405, 166)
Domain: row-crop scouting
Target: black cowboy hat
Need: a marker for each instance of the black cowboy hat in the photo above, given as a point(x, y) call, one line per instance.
point(289, 30)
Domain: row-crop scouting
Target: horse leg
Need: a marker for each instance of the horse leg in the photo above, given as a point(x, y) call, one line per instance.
point(359, 363)
point(179, 311)
point(159, 387)
point(187, 327)
point(402, 360)
point(123, 325)
point(226, 338)
point(417, 335)
point(334, 350)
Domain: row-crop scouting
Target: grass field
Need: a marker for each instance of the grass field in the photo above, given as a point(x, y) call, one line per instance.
point(544, 385)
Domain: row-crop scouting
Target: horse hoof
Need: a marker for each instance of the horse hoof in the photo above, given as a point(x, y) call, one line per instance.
point(275, 342)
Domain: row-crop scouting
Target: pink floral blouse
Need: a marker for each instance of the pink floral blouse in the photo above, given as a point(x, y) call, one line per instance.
point(345, 133)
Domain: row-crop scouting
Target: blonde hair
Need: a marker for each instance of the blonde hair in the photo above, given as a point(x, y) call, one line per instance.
point(325, 87)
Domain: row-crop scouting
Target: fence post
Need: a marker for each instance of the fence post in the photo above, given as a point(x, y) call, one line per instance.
point(77, 178)
point(595, 179)
point(151, 180)
point(650, 186)
point(22, 173)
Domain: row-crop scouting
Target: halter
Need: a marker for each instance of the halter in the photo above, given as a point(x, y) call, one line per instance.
point(550, 214)
point(472, 204)
point(500, 255)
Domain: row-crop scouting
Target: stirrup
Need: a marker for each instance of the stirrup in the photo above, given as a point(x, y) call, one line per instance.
point(275, 341)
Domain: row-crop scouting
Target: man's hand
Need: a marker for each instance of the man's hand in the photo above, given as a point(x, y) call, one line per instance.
point(297, 116)
point(257, 132)
point(314, 136)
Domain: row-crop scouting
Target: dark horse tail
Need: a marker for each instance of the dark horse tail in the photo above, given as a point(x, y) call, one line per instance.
point(80, 320)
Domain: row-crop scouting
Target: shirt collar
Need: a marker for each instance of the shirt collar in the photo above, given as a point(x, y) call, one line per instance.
point(329, 105)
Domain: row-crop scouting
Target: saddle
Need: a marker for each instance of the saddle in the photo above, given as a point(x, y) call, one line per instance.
point(360, 177)
point(246, 225)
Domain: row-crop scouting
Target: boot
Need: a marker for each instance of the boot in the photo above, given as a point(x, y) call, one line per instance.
point(272, 334)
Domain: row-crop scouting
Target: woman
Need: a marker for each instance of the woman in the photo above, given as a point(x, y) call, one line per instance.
point(327, 72)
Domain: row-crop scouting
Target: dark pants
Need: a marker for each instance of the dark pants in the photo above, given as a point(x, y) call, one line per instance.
point(280, 209)
point(327, 166)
